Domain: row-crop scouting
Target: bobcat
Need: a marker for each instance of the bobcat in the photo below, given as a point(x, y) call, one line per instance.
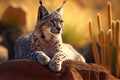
point(45, 44)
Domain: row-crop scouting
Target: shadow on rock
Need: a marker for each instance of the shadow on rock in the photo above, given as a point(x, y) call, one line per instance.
point(72, 70)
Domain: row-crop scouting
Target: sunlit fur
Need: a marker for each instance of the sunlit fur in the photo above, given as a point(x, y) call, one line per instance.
point(45, 43)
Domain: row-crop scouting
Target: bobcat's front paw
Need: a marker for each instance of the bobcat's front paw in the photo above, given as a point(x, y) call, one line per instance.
point(42, 57)
point(55, 66)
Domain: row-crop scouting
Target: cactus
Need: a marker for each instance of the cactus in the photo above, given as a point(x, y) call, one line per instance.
point(94, 46)
point(109, 9)
point(109, 43)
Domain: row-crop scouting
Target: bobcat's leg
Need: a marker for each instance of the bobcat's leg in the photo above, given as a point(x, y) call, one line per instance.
point(56, 62)
point(40, 56)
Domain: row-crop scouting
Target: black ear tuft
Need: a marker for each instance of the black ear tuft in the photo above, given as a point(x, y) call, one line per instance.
point(42, 11)
point(60, 10)
point(64, 2)
point(40, 2)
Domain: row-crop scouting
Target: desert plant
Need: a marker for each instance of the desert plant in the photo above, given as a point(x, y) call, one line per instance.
point(109, 43)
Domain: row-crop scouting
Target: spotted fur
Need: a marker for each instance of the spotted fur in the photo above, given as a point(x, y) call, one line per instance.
point(45, 44)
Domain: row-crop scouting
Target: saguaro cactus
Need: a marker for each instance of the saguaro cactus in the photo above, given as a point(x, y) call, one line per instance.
point(109, 43)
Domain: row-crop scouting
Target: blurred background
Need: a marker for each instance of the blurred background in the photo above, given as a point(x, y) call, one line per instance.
point(19, 16)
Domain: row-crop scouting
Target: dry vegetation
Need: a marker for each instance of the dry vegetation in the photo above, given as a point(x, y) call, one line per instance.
point(109, 43)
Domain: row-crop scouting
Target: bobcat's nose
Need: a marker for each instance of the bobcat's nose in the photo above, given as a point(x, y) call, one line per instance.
point(58, 29)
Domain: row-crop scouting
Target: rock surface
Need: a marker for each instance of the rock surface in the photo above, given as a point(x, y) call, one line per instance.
point(14, 16)
point(32, 70)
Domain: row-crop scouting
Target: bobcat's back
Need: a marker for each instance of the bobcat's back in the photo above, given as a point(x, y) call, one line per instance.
point(22, 45)
point(45, 44)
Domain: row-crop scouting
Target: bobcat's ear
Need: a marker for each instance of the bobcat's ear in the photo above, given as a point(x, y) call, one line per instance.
point(60, 10)
point(42, 11)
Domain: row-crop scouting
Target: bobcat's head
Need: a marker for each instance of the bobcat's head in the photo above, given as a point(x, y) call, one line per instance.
point(49, 25)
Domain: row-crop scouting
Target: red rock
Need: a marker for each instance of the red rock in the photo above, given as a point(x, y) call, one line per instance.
point(32, 70)
point(14, 16)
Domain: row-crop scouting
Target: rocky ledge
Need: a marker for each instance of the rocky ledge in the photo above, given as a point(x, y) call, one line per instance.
point(72, 70)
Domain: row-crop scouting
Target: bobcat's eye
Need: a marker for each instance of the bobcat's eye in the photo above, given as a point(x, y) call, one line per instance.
point(53, 21)
point(61, 21)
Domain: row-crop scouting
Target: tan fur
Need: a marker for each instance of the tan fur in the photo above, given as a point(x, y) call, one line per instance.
point(45, 43)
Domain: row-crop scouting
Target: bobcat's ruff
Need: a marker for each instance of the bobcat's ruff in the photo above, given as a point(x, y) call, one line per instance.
point(45, 44)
